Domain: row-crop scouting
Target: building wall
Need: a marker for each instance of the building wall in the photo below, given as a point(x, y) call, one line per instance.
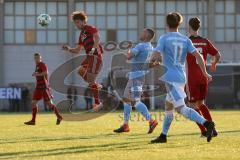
point(117, 20)
point(20, 64)
point(230, 51)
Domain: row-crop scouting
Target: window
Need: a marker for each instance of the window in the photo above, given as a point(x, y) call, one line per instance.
point(20, 23)
point(157, 10)
point(100, 8)
point(226, 21)
point(41, 37)
point(116, 20)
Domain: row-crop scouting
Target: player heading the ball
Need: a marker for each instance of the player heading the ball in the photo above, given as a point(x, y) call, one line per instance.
point(89, 39)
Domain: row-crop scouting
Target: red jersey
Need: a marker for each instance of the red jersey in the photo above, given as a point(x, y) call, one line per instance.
point(42, 81)
point(86, 40)
point(204, 47)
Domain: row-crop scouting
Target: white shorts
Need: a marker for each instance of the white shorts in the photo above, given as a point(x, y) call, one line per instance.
point(175, 93)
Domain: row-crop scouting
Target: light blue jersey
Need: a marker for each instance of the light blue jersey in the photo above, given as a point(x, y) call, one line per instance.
point(174, 47)
point(140, 54)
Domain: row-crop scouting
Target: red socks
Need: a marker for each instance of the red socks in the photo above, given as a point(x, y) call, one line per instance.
point(201, 127)
point(56, 111)
point(95, 91)
point(205, 112)
point(35, 110)
point(34, 113)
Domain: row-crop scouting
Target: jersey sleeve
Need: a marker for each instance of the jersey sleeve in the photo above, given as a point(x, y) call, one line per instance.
point(43, 67)
point(160, 45)
point(190, 46)
point(92, 29)
point(136, 50)
point(212, 50)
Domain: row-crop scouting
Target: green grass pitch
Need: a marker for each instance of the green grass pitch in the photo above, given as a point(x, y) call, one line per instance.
point(94, 139)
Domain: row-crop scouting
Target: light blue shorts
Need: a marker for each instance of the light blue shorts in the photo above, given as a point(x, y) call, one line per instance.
point(134, 89)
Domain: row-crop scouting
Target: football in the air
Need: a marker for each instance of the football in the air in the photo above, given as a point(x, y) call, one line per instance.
point(44, 20)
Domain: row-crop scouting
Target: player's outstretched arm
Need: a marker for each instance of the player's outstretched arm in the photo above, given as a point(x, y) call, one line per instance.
point(75, 50)
point(201, 64)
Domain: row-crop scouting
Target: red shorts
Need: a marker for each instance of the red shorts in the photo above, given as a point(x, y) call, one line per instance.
point(44, 94)
point(93, 64)
point(196, 92)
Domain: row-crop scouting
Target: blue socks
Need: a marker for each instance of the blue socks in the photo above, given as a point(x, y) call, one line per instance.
point(142, 108)
point(127, 112)
point(167, 121)
point(191, 114)
point(187, 112)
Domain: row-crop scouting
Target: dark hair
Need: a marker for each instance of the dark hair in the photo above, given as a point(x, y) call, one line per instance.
point(79, 15)
point(37, 54)
point(194, 23)
point(174, 19)
point(151, 33)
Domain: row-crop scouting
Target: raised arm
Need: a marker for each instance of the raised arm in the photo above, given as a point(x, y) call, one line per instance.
point(133, 51)
point(75, 50)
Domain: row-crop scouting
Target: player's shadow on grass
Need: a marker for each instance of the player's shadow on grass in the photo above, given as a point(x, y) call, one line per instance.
point(79, 149)
point(110, 135)
point(45, 139)
point(132, 145)
point(73, 150)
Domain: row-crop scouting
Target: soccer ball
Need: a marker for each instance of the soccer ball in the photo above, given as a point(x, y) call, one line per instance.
point(44, 20)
